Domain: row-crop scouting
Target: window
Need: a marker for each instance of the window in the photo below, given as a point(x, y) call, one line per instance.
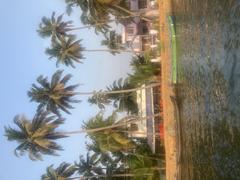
point(142, 4)
point(130, 30)
point(134, 127)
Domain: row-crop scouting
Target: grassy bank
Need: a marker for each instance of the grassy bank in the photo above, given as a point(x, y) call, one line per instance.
point(168, 92)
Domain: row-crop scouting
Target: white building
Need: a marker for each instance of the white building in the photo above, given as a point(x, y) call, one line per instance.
point(145, 128)
point(139, 34)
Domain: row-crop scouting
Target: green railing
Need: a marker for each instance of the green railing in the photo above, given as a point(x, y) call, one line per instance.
point(174, 49)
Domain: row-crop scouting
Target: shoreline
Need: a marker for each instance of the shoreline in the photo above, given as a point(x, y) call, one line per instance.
point(168, 91)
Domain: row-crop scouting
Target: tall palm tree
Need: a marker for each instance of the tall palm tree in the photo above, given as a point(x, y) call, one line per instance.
point(140, 165)
point(112, 162)
point(123, 102)
point(113, 41)
point(67, 51)
point(57, 95)
point(54, 27)
point(108, 139)
point(89, 166)
point(66, 171)
point(63, 172)
point(144, 71)
point(54, 95)
point(36, 136)
point(102, 8)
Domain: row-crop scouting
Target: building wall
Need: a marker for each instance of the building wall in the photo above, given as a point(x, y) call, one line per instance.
point(134, 31)
point(136, 5)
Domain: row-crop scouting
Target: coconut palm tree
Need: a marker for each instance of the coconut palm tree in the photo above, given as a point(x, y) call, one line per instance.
point(54, 95)
point(102, 8)
point(36, 136)
point(144, 71)
point(113, 41)
point(66, 171)
point(123, 102)
point(140, 165)
point(108, 139)
point(68, 51)
point(89, 166)
point(54, 27)
point(63, 172)
point(57, 95)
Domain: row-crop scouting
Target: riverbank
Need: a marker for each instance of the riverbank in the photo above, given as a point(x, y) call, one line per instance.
point(168, 92)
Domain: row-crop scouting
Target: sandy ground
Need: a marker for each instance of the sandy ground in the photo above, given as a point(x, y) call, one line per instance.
point(168, 92)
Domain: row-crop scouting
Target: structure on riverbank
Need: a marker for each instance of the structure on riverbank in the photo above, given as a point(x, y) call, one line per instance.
point(152, 128)
point(137, 33)
point(148, 105)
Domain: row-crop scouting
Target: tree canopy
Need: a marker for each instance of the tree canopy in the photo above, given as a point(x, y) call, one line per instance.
point(54, 95)
point(36, 136)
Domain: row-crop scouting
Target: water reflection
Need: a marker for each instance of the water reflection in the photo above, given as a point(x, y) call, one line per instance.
point(209, 85)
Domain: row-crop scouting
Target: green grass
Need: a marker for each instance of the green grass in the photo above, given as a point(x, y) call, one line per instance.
point(174, 50)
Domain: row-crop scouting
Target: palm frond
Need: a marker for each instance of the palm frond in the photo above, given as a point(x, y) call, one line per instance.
point(35, 136)
point(66, 51)
point(63, 171)
point(54, 27)
point(55, 95)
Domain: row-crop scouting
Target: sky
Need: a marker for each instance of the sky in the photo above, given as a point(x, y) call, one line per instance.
point(23, 60)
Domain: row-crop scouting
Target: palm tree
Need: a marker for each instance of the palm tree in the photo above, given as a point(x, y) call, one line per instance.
point(57, 95)
point(113, 41)
point(63, 172)
point(124, 101)
point(102, 8)
point(108, 139)
point(54, 27)
point(144, 71)
point(36, 136)
point(140, 165)
point(66, 171)
point(54, 95)
point(67, 51)
point(89, 166)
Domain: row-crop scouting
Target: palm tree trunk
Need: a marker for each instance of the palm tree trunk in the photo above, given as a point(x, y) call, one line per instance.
point(112, 5)
point(139, 133)
point(102, 23)
point(109, 50)
point(144, 156)
point(105, 176)
point(124, 122)
point(119, 91)
point(129, 12)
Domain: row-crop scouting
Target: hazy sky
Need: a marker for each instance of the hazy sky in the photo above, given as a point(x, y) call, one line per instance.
point(23, 60)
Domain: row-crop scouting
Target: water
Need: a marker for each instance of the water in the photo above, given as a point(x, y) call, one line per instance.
point(208, 36)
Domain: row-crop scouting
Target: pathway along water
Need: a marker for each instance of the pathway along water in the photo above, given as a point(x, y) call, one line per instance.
point(208, 39)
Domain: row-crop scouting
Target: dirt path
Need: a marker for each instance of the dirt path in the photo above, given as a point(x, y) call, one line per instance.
point(168, 92)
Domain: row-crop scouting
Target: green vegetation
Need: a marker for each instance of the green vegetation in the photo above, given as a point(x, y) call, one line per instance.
point(54, 95)
point(122, 101)
point(174, 50)
point(144, 71)
point(37, 136)
point(113, 152)
point(63, 172)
